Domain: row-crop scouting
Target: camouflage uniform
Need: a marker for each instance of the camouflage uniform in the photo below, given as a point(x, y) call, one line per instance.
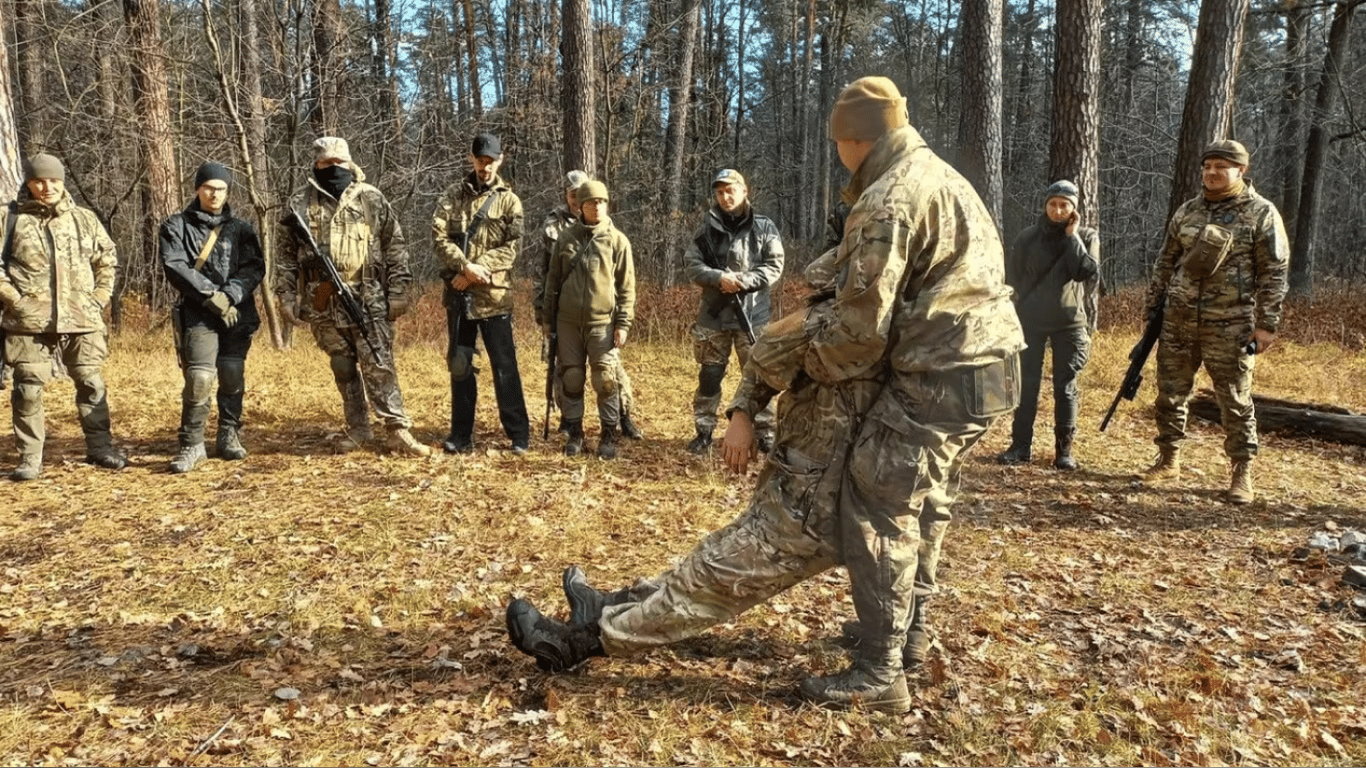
point(556, 223)
point(1210, 317)
point(488, 308)
point(752, 250)
point(54, 288)
point(362, 235)
point(890, 389)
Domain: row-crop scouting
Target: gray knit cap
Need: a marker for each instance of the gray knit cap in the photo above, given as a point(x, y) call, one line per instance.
point(1064, 189)
point(44, 166)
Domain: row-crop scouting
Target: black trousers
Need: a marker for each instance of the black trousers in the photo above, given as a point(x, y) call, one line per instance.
point(507, 379)
point(1071, 349)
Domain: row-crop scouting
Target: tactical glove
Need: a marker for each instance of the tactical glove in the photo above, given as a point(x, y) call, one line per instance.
point(231, 317)
point(218, 303)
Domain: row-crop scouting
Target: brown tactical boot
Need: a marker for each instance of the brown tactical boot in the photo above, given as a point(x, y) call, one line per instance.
point(1167, 467)
point(1240, 487)
point(402, 441)
point(857, 688)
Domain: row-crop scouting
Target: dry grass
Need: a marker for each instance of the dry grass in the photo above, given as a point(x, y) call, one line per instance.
point(1087, 620)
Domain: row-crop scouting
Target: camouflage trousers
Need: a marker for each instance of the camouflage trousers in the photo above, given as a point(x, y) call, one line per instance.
point(83, 354)
point(861, 474)
point(359, 377)
point(1184, 346)
point(711, 350)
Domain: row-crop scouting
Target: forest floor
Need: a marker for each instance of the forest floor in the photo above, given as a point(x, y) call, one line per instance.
point(308, 608)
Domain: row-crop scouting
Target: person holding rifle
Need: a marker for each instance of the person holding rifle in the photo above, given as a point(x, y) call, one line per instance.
point(590, 304)
point(735, 256)
point(1222, 274)
point(340, 219)
point(1050, 265)
point(213, 260)
point(475, 230)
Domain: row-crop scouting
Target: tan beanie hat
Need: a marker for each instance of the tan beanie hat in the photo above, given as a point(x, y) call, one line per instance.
point(590, 190)
point(866, 109)
point(1227, 149)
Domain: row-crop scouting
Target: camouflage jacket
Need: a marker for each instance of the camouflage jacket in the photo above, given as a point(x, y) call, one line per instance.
point(592, 277)
point(1048, 269)
point(362, 235)
point(1250, 285)
point(754, 252)
point(920, 283)
point(494, 245)
point(59, 276)
point(235, 266)
point(554, 225)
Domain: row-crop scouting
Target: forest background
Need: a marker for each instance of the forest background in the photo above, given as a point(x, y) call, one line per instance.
point(653, 96)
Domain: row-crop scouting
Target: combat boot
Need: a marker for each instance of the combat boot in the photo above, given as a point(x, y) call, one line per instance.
point(913, 651)
point(585, 602)
point(555, 645)
point(607, 442)
point(1062, 448)
point(1015, 454)
point(1167, 466)
point(229, 444)
point(858, 688)
point(1240, 486)
point(629, 430)
point(109, 457)
point(700, 444)
point(190, 456)
point(402, 441)
point(29, 468)
point(573, 444)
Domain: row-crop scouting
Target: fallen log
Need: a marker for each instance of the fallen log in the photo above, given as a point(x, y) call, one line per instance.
point(1326, 422)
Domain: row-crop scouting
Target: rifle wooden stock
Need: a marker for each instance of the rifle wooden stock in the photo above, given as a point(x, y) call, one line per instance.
point(350, 303)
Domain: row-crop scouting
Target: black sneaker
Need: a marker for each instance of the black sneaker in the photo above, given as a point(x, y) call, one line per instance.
point(458, 444)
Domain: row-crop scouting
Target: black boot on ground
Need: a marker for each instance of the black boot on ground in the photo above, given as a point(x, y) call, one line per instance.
point(700, 444)
point(629, 429)
point(556, 646)
point(1062, 448)
point(585, 602)
point(607, 442)
point(573, 444)
point(1015, 454)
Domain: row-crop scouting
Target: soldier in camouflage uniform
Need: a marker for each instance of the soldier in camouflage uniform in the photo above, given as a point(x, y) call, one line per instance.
point(57, 279)
point(555, 224)
point(356, 227)
point(734, 251)
point(1222, 271)
point(888, 388)
point(477, 268)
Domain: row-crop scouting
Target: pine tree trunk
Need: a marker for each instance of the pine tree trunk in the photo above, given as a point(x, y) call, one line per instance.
point(327, 67)
point(472, 56)
point(1208, 112)
point(680, 103)
point(1291, 140)
point(1074, 149)
point(1302, 256)
point(576, 89)
point(11, 164)
point(152, 108)
point(979, 126)
point(30, 33)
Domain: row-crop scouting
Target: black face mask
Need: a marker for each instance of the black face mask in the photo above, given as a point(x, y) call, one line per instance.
point(334, 179)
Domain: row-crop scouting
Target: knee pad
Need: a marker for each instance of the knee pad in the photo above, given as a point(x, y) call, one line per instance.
point(709, 379)
point(31, 374)
point(343, 368)
point(232, 375)
point(461, 364)
point(198, 384)
point(604, 380)
point(87, 378)
point(573, 379)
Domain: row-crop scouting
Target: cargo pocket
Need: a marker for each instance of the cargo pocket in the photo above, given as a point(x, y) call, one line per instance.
point(1211, 247)
point(993, 389)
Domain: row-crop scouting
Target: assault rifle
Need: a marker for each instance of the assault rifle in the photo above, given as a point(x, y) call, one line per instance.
point(733, 300)
point(458, 301)
point(1138, 356)
point(346, 295)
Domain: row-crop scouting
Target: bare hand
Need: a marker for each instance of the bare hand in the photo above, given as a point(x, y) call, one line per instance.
point(1264, 339)
point(619, 338)
point(1072, 222)
point(478, 273)
point(738, 448)
point(460, 282)
point(729, 283)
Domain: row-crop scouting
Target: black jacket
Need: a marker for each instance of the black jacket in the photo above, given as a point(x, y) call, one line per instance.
point(1048, 269)
point(235, 266)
